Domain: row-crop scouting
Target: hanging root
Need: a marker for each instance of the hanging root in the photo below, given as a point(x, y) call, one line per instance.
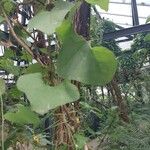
point(68, 123)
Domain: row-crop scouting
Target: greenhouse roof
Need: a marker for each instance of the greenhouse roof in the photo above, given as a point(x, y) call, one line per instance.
point(120, 12)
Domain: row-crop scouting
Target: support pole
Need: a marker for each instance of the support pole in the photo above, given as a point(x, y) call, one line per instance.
point(135, 16)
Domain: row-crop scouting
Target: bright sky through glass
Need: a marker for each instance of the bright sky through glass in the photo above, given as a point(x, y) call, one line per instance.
point(120, 12)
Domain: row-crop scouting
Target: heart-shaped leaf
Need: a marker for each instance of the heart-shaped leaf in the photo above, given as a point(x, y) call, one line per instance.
point(102, 3)
point(43, 97)
point(22, 116)
point(78, 61)
point(48, 21)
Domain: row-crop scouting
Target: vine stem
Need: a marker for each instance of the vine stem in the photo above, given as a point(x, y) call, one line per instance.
point(21, 42)
point(2, 114)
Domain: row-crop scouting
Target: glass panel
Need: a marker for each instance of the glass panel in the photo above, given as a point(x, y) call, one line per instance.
point(139, 2)
point(120, 12)
point(118, 19)
point(143, 11)
point(143, 1)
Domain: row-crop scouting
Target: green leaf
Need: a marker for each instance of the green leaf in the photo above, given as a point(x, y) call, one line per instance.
point(91, 108)
point(78, 61)
point(80, 140)
point(20, 32)
point(63, 147)
point(1, 19)
point(48, 21)
point(102, 3)
point(14, 93)
point(43, 97)
point(147, 38)
point(2, 87)
point(26, 56)
point(8, 53)
point(44, 50)
point(34, 68)
point(8, 5)
point(8, 65)
point(22, 116)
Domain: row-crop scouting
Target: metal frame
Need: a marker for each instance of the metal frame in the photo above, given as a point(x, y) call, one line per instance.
point(127, 32)
point(135, 17)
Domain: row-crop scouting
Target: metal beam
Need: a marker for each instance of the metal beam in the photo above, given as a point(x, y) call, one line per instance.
point(126, 32)
point(116, 25)
point(135, 16)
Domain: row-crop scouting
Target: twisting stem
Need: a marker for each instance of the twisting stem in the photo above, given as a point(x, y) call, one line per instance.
point(21, 42)
point(25, 30)
point(2, 116)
